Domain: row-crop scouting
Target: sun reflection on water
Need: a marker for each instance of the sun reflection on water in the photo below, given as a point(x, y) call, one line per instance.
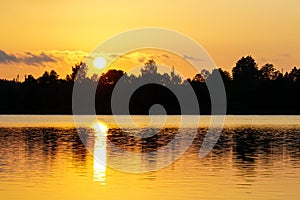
point(100, 152)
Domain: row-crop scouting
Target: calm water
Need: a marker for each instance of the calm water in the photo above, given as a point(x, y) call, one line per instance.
point(42, 157)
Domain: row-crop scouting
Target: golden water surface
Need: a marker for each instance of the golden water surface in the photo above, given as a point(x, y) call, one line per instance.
point(42, 157)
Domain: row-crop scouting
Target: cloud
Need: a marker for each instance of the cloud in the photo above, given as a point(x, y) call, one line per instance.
point(285, 55)
point(135, 57)
point(138, 57)
point(276, 58)
point(141, 59)
point(67, 56)
point(165, 55)
point(108, 56)
point(40, 59)
point(191, 58)
point(114, 55)
point(27, 58)
point(7, 58)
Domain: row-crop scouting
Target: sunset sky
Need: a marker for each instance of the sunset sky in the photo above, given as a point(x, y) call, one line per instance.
point(43, 35)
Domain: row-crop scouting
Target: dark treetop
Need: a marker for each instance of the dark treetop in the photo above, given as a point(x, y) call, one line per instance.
point(250, 90)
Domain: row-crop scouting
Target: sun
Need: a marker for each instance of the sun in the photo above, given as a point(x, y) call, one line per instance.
point(99, 62)
point(100, 127)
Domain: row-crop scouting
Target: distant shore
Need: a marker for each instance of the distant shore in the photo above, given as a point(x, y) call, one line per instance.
point(247, 91)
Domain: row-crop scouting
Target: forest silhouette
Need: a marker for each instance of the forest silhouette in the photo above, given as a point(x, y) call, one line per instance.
point(249, 90)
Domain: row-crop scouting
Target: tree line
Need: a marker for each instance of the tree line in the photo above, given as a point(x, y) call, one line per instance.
point(250, 90)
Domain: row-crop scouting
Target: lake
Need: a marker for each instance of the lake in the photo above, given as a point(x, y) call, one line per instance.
point(46, 157)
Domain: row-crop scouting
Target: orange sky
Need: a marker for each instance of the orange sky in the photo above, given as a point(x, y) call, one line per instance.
point(41, 35)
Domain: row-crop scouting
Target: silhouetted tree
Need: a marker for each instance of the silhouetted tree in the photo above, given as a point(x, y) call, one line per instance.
point(250, 91)
point(202, 76)
point(294, 75)
point(53, 76)
point(245, 70)
point(79, 69)
point(268, 72)
point(150, 67)
point(224, 75)
point(30, 80)
point(175, 78)
point(111, 77)
point(95, 78)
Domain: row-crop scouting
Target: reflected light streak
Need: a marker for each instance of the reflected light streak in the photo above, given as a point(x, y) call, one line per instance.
point(100, 152)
